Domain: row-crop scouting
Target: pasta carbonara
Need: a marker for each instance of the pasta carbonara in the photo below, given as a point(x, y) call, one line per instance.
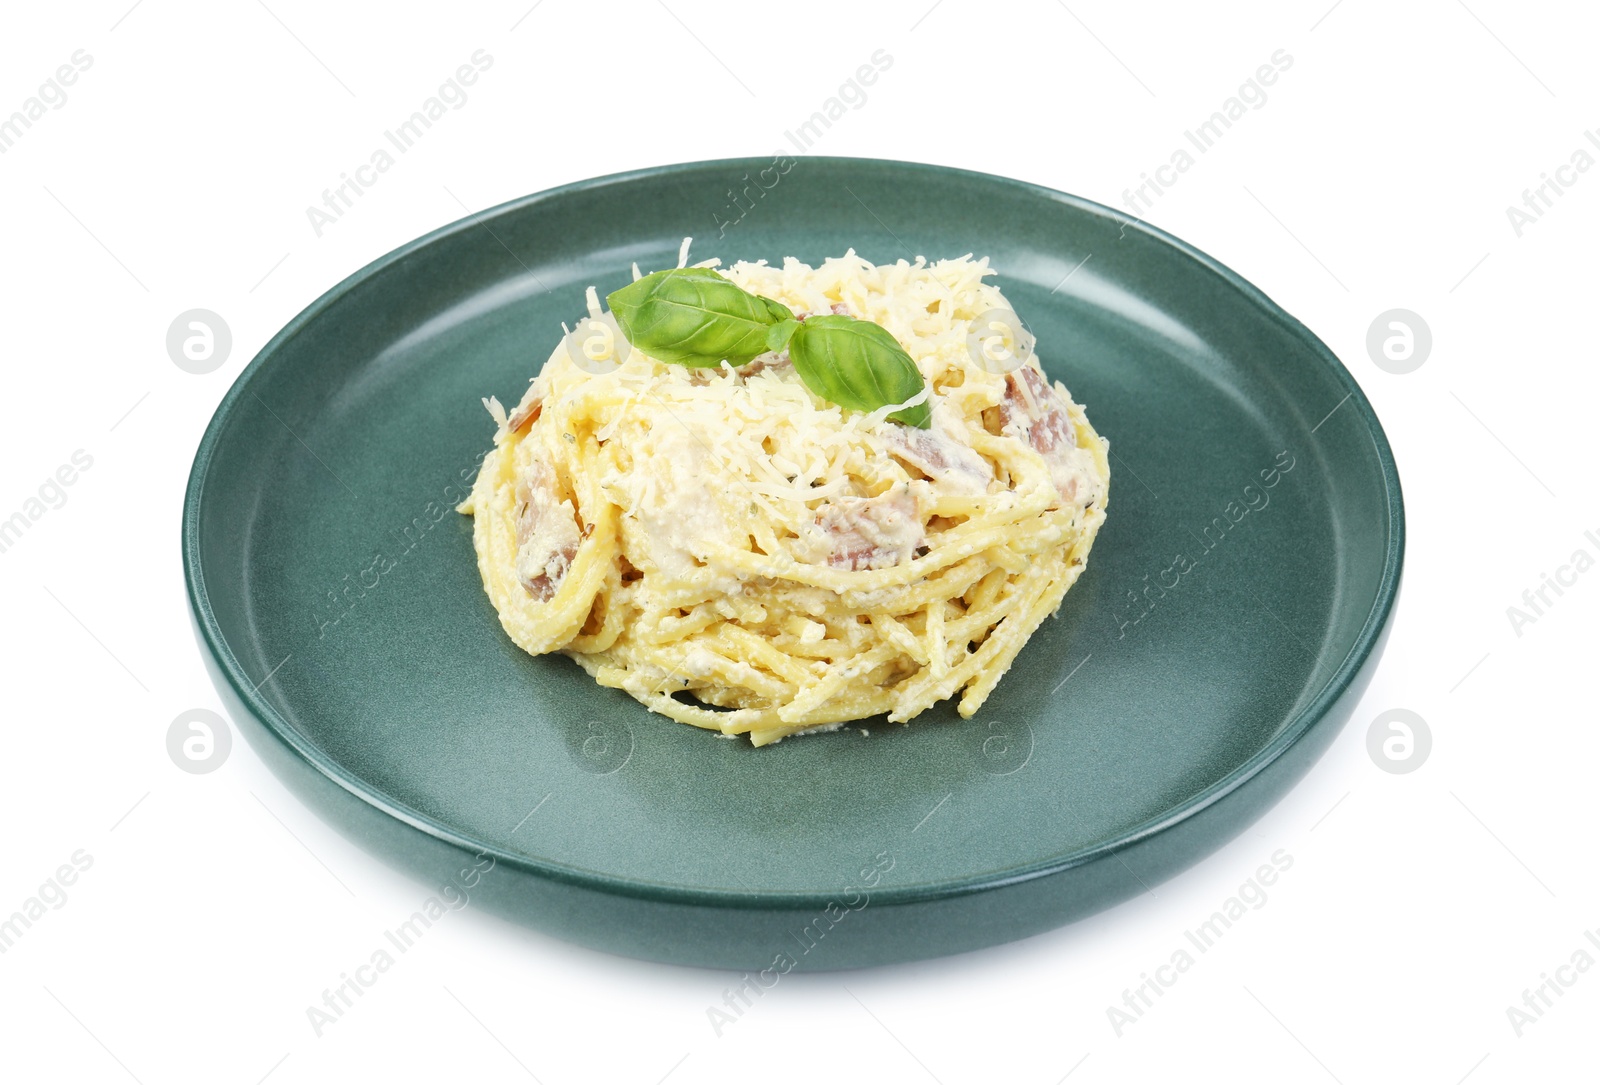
point(739, 554)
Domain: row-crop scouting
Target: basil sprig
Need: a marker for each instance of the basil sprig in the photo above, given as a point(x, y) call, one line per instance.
point(695, 317)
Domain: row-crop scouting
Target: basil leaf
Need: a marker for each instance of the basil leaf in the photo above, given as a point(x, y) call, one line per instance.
point(858, 364)
point(693, 316)
point(779, 334)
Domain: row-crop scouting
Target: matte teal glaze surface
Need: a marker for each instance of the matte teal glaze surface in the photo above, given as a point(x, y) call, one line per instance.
point(1210, 652)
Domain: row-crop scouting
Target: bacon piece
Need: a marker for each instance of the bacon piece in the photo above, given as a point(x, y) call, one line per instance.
point(763, 363)
point(1034, 408)
point(1038, 409)
point(871, 532)
point(547, 532)
point(705, 374)
point(950, 463)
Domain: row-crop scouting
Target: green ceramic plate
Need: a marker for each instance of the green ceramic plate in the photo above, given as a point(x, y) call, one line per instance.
point(1231, 613)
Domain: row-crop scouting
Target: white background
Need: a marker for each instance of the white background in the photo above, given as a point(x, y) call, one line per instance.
point(1377, 175)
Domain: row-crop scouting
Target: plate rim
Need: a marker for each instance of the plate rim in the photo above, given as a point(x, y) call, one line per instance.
point(1295, 729)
